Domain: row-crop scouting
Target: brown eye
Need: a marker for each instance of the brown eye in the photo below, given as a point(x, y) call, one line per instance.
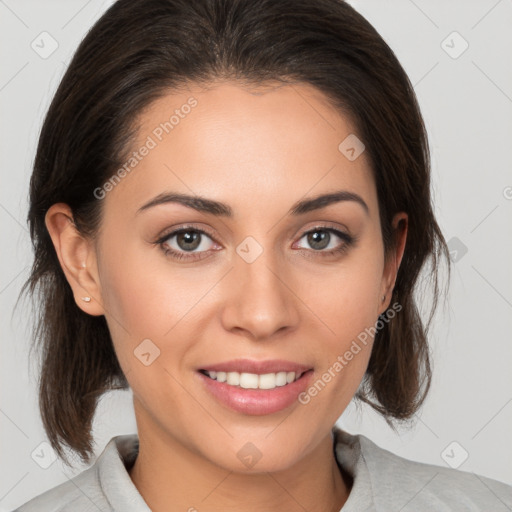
point(188, 240)
point(321, 238)
point(184, 243)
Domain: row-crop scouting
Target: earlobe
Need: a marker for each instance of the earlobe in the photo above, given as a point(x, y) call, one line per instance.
point(399, 226)
point(77, 258)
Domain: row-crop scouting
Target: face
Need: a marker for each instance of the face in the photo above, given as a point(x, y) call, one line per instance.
point(255, 287)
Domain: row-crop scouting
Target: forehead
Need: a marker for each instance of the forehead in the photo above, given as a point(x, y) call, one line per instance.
point(275, 143)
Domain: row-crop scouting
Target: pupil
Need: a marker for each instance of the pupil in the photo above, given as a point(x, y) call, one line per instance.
point(317, 238)
point(188, 239)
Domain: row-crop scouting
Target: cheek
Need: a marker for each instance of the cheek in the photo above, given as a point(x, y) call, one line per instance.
point(145, 298)
point(136, 289)
point(136, 301)
point(345, 304)
point(347, 314)
point(346, 299)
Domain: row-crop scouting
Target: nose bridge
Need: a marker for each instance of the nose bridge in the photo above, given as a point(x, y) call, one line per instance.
point(258, 268)
point(261, 301)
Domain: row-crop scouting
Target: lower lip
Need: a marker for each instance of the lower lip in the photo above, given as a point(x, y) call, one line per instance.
point(257, 401)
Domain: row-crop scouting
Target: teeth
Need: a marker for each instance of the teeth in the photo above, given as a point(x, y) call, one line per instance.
point(253, 380)
point(233, 378)
point(281, 379)
point(248, 380)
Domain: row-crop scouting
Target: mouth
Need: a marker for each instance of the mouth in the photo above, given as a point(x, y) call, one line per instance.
point(247, 380)
point(256, 387)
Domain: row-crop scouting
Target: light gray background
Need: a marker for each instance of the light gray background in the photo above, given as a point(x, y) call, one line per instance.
point(467, 105)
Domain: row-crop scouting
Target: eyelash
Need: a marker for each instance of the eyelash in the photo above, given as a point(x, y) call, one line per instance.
point(348, 239)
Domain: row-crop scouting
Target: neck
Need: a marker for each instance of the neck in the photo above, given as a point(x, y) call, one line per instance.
point(170, 476)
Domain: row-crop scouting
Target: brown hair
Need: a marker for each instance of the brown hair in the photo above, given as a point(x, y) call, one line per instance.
point(138, 51)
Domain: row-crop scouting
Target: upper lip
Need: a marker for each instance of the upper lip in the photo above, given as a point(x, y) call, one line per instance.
point(257, 367)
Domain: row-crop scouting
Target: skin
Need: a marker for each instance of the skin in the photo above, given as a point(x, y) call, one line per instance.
point(259, 151)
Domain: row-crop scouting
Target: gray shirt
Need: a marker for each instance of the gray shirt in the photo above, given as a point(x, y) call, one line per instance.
point(382, 481)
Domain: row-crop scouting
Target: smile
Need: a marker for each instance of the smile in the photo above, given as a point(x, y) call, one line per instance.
point(253, 380)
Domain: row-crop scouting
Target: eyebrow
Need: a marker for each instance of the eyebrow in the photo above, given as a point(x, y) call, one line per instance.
point(202, 204)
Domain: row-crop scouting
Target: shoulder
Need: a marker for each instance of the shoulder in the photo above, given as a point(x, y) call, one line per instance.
point(411, 485)
point(103, 486)
point(79, 494)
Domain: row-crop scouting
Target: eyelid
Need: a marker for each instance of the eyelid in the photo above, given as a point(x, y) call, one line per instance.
point(326, 225)
point(167, 233)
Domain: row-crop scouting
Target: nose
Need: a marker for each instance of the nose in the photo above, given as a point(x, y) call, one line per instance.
point(259, 297)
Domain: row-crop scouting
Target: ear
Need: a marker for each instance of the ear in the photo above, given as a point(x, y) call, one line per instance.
point(399, 226)
point(77, 257)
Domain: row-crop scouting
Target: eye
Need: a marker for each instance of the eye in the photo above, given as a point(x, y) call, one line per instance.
point(185, 243)
point(190, 243)
point(321, 238)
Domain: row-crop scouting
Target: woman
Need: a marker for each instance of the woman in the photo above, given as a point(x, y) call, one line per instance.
point(230, 208)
